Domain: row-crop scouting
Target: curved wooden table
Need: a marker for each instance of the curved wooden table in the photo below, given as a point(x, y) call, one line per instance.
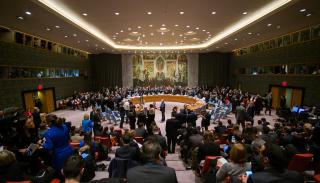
point(193, 103)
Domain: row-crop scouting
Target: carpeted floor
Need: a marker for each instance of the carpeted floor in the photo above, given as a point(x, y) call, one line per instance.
point(173, 160)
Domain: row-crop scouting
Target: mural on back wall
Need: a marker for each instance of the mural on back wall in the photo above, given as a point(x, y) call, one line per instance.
point(160, 70)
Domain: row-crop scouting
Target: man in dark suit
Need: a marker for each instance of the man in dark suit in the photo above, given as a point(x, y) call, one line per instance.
point(163, 110)
point(127, 151)
point(152, 171)
point(171, 132)
point(275, 171)
point(241, 115)
point(158, 138)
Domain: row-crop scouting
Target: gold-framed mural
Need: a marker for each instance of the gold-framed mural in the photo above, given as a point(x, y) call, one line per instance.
point(160, 70)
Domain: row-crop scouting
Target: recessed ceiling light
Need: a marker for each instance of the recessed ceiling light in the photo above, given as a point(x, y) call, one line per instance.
point(139, 27)
point(303, 10)
point(78, 41)
point(96, 44)
point(163, 25)
point(308, 15)
point(176, 25)
point(181, 12)
point(162, 33)
point(121, 30)
point(160, 44)
point(235, 39)
point(244, 13)
point(114, 38)
point(84, 14)
point(180, 35)
point(226, 43)
point(172, 33)
point(28, 12)
point(117, 33)
point(163, 28)
point(187, 26)
point(116, 13)
point(143, 35)
point(197, 28)
point(103, 48)
point(87, 40)
point(213, 13)
point(48, 29)
point(217, 47)
point(151, 34)
point(249, 33)
point(269, 25)
point(65, 36)
point(208, 32)
point(150, 25)
point(129, 29)
point(149, 13)
point(278, 26)
point(74, 35)
point(204, 30)
point(57, 26)
point(20, 18)
point(258, 34)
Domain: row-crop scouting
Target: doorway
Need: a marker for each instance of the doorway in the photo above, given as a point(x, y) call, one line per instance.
point(43, 99)
point(293, 95)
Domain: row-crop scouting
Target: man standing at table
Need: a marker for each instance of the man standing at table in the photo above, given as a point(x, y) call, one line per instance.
point(163, 109)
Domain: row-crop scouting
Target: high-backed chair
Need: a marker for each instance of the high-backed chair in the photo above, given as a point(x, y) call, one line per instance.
point(300, 162)
point(106, 141)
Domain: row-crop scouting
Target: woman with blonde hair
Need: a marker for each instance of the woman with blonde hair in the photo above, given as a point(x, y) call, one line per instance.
point(238, 163)
point(87, 124)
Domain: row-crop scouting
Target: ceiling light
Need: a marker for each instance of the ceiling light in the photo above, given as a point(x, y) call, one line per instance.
point(67, 13)
point(160, 44)
point(181, 12)
point(278, 26)
point(87, 40)
point(121, 30)
point(235, 39)
point(139, 27)
point(103, 48)
point(217, 47)
point(114, 38)
point(151, 34)
point(163, 25)
point(308, 15)
point(162, 33)
point(197, 28)
point(180, 35)
point(226, 43)
point(116, 13)
point(269, 25)
point(57, 26)
point(74, 35)
point(149, 13)
point(20, 18)
point(208, 32)
point(244, 13)
point(172, 33)
point(129, 29)
point(84, 14)
point(28, 12)
point(258, 34)
point(249, 33)
point(187, 26)
point(143, 35)
point(163, 28)
point(48, 29)
point(65, 36)
point(204, 30)
point(176, 25)
point(303, 10)
point(213, 13)
point(150, 25)
point(96, 45)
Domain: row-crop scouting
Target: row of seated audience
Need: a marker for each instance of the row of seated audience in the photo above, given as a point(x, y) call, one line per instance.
point(31, 148)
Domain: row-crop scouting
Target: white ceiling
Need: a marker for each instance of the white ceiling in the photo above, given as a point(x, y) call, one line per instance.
point(132, 26)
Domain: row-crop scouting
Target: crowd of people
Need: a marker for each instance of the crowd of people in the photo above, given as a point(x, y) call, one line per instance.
point(37, 150)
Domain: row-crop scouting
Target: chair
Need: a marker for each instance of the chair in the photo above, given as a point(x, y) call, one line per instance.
point(106, 141)
point(119, 131)
point(207, 162)
point(118, 167)
point(300, 162)
point(55, 181)
point(140, 140)
point(317, 178)
point(25, 181)
point(75, 145)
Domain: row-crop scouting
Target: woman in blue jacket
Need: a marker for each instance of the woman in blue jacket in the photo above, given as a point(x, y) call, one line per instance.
point(56, 140)
point(87, 124)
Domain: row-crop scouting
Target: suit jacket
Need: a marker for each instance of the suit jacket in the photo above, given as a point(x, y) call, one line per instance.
point(240, 113)
point(127, 152)
point(272, 176)
point(172, 127)
point(151, 173)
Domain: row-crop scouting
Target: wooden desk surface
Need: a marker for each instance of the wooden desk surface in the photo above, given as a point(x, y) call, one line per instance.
point(193, 103)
